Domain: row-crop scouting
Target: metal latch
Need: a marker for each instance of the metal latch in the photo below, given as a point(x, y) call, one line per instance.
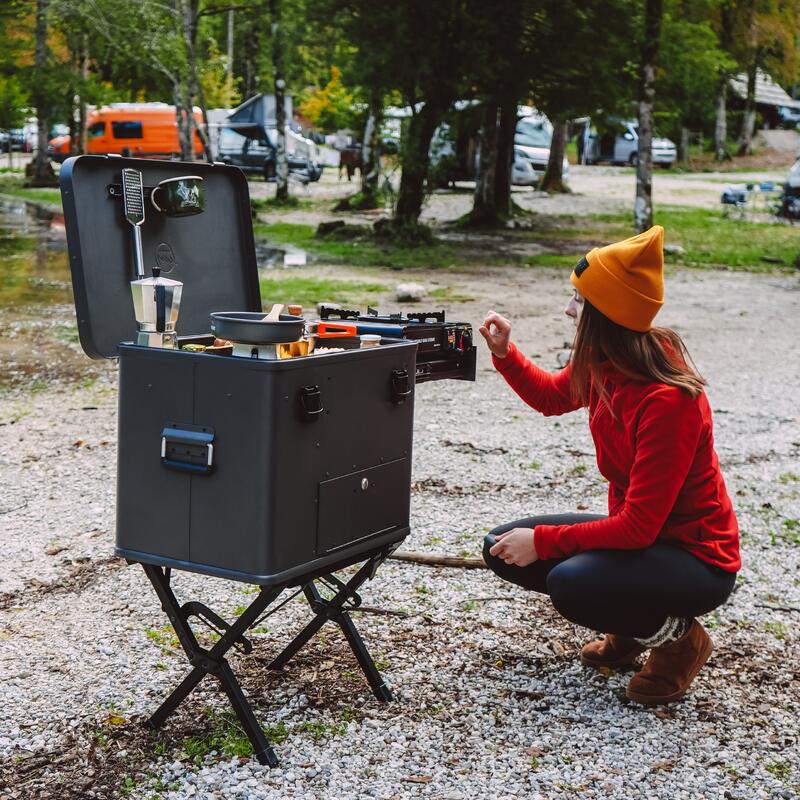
point(311, 402)
point(188, 448)
point(401, 385)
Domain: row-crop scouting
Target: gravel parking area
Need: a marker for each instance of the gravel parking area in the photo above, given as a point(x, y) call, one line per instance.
point(491, 699)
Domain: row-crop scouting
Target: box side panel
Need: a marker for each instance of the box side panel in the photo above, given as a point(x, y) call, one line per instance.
point(152, 502)
point(230, 507)
point(360, 427)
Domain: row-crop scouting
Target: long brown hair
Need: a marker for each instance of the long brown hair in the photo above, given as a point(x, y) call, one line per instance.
point(657, 355)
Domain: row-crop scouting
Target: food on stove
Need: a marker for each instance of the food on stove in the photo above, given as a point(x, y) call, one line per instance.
point(221, 343)
point(295, 310)
point(194, 348)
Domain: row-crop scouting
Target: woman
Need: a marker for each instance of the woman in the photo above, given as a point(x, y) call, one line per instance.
point(668, 551)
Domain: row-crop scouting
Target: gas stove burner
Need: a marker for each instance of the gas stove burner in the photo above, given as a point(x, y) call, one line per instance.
point(262, 352)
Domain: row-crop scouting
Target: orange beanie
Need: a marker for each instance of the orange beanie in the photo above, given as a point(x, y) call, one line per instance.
point(625, 280)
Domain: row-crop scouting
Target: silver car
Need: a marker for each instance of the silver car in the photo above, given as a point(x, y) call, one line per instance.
point(624, 148)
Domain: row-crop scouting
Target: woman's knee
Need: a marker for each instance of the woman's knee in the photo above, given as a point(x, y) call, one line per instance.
point(569, 588)
point(494, 563)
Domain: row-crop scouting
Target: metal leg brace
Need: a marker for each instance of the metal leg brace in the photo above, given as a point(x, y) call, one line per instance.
point(334, 609)
point(213, 662)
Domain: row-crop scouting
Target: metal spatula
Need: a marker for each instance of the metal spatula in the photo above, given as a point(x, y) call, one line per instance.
point(133, 202)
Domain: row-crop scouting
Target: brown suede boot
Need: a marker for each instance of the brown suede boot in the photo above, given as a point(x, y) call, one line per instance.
point(671, 668)
point(612, 652)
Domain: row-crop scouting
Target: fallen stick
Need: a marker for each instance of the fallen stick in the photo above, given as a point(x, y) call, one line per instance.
point(436, 560)
point(778, 608)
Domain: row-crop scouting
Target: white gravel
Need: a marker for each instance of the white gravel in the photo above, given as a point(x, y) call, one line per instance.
point(491, 700)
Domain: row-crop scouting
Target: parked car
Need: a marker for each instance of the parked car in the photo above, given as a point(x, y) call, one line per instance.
point(455, 155)
point(149, 130)
point(253, 148)
point(623, 147)
point(789, 117)
point(532, 150)
point(15, 137)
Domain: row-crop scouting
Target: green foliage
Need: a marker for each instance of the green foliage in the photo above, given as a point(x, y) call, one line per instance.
point(690, 63)
point(12, 102)
point(218, 84)
point(332, 107)
point(572, 43)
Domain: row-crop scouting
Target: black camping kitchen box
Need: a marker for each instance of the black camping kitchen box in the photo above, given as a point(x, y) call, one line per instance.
point(257, 470)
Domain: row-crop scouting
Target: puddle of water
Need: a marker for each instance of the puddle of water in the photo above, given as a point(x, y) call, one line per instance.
point(269, 256)
point(38, 335)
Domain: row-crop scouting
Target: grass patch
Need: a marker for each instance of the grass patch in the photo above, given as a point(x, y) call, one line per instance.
point(225, 737)
point(447, 294)
point(550, 260)
point(780, 769)
point(293, 203)
point(363, 251)
point(13, 186)
point(712, 240)
point(308, 291)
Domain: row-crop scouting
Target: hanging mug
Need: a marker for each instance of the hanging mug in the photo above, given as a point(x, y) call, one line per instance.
point(179, 197)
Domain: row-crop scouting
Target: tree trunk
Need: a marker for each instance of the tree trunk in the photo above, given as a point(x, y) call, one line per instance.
point(553, 180)
point(189, 10)
point(721, 126)
point(505, 157)
point(183, 119)
point(484, 209)
point(281, 162)
point(251, 49)
point(643, 207)
point(229, 58)
point(370, 155)
point(684, 154)
point(749, 118)
point(41, 171)
point(411, 194)
point(83, 72)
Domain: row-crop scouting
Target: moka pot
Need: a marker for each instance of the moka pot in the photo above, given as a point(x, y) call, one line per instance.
point(156, 303)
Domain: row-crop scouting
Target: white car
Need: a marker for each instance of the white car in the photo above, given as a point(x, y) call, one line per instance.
point(624, 148)
point(532, 150)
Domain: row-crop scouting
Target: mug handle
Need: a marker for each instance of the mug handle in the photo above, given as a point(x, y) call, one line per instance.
point(153, 199)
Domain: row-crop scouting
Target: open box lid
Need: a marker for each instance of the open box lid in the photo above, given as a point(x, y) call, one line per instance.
point(212, 253)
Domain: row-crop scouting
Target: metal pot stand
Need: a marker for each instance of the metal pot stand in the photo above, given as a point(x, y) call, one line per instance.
point(333, 608)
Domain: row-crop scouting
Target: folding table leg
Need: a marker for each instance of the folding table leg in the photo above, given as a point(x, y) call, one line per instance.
point(379, 688)
point(178, 695)
point(299, 641)
point(212, 662)
point(261, 747)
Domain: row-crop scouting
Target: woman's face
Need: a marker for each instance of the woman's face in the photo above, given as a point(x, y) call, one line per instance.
point(575, 307)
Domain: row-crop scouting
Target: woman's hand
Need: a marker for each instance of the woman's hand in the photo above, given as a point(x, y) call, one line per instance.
point(516, 547)
point(497, 332)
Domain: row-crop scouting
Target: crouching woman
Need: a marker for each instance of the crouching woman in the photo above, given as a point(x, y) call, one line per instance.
point(668, 551)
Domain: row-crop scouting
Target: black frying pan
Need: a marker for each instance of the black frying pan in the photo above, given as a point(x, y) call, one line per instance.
point(250, 327)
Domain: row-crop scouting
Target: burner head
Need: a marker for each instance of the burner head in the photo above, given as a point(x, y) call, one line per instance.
point(263, 352)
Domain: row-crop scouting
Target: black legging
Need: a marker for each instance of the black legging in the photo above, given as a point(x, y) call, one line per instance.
point(627, 592)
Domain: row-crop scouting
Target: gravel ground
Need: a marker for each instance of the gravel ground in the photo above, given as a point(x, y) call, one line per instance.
point(491, 699)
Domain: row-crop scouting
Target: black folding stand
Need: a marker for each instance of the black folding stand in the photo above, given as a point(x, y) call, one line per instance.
point(204, 662)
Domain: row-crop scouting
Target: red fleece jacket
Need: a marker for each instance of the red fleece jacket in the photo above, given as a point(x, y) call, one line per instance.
point(657, 453)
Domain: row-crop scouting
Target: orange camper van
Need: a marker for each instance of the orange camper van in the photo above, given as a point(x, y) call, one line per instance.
point(149, 130)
